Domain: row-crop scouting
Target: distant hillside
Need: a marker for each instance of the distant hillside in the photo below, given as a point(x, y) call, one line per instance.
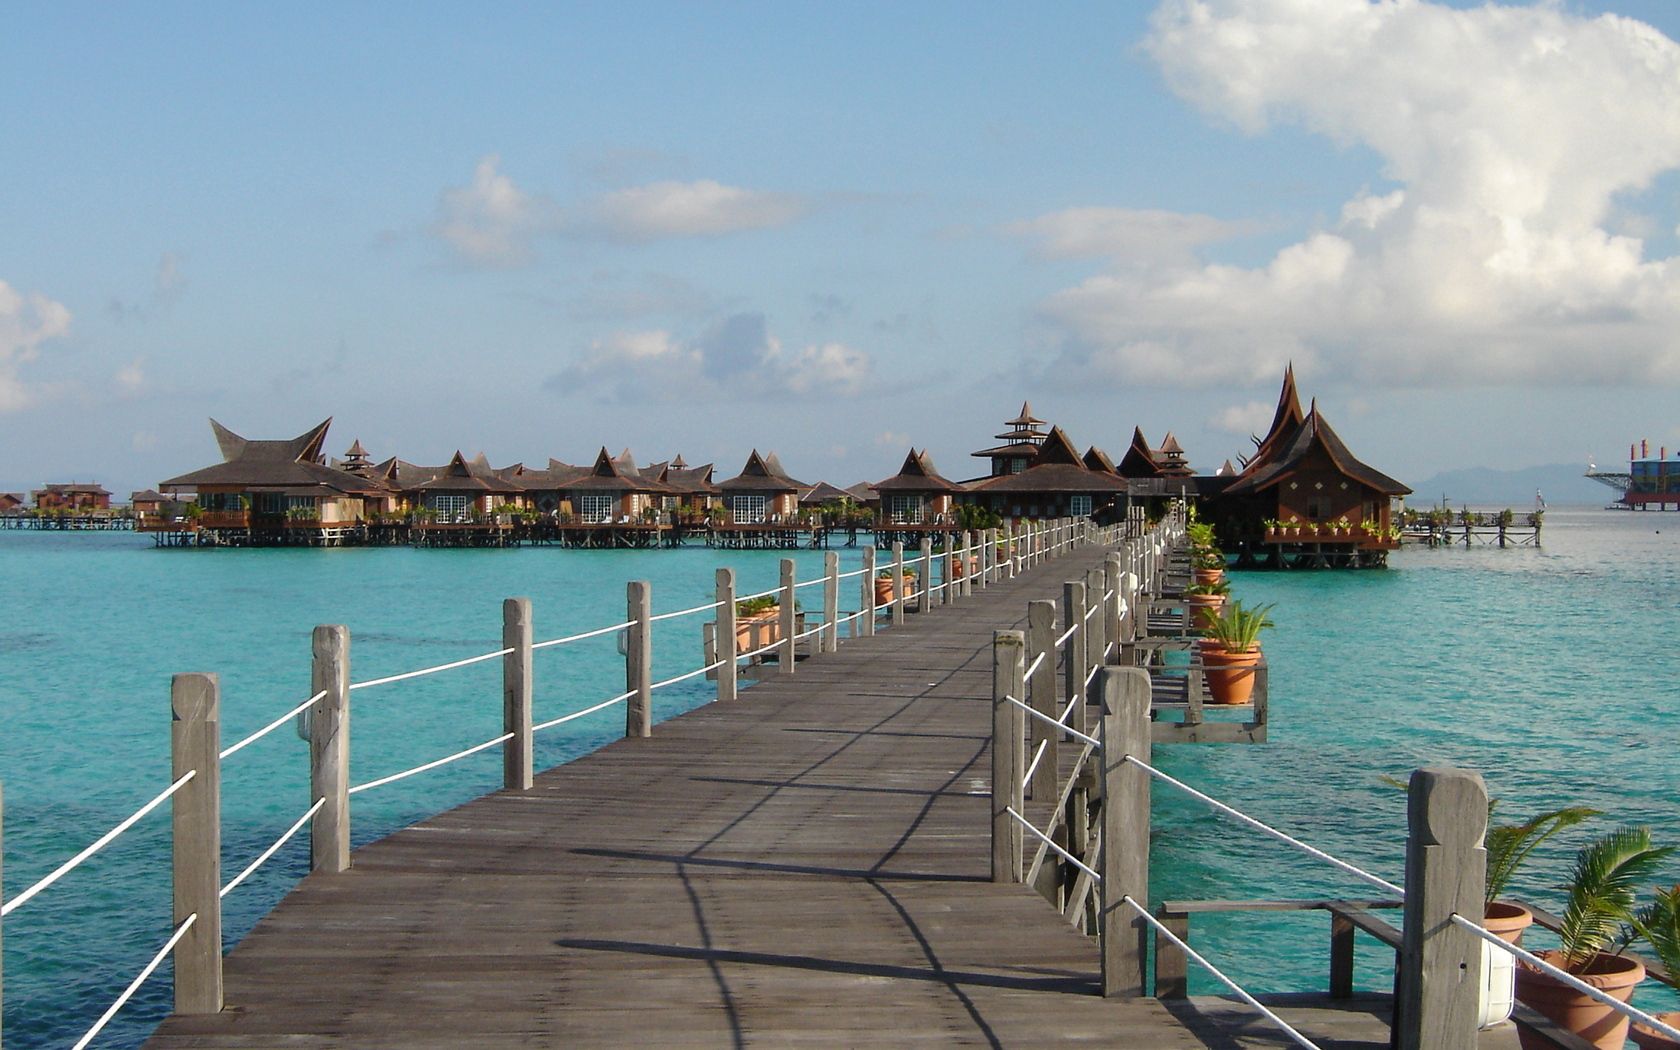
point(1561, 483)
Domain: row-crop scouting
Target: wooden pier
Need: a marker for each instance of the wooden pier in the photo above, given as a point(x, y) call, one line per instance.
point(818, 860)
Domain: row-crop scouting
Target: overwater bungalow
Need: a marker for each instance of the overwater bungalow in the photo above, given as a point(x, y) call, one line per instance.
point(72, 497)
point(1305, 498)
point(271, 493)
point(1055, 482)
point(761, 509)
point(692, 493)
point(11, 503)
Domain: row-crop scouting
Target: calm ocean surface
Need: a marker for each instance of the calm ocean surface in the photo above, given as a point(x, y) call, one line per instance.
point(1544, 669)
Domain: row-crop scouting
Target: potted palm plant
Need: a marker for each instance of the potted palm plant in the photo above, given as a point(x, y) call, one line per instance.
point(1599, 915)
point(1508, 846)
point(1208, 596)
point(757, 623)
point(1659, 923)
point(1230, 649)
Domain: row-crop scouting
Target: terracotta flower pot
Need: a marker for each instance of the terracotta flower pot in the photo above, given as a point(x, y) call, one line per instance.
point(1651, 1039)
point(884, 588)
point(758, 630)
point(1230, 675)
point(1507, 920)
point(1615, 975)
point(1207, 577)
point(1197, 603)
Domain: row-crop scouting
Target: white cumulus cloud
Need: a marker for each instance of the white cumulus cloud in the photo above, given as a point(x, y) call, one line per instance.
point(491, 221)
point(1511, 134)
point(1143, 235)
point(693, 209)
point(26, 322)
point(1245, 419)
point(736, 357)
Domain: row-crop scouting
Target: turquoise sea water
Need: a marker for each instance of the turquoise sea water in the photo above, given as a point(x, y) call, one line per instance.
point(1549, 670)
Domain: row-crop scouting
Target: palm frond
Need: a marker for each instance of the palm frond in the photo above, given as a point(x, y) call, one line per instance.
point(1508, 845)
point(1607, 873)
point(1659, 923)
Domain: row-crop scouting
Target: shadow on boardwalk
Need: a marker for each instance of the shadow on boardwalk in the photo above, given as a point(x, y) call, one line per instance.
point(805, 866)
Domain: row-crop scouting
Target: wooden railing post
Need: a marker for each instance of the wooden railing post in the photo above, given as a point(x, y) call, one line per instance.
point(1172, 966)
point(516, 694)
point(968, 563)
point(638, 658)
point(900, 596)
point(1041, 689)
point(724, 638)
point(1007, 834)
point(786, 656)
point(1341, 956)
point(986, 550)
point(830, 636)
point(868, 595)
point(1113, 584)
point(924, 596)
point(949, 593)
point(1096, 648)
point(1125, 829)
point(1075, 665)
point(195, 744)
point(329, 749)
point(1440, 976)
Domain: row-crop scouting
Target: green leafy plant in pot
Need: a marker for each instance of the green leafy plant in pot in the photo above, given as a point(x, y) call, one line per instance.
point(1508, 846)
point(1659, 924)
point(1230, 649)
point(1598, 916)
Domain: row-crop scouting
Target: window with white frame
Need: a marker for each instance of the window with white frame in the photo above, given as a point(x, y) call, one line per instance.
point(1080, 506)
point(747, 510)
point(905, 510)
point(449, 507)
point(596, 507)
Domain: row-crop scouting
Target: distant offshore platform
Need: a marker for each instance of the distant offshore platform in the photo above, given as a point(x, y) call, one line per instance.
point(1649, 483)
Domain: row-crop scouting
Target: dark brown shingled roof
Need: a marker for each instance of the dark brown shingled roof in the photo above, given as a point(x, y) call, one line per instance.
point(1285, 421)
point(1314, 432)
point(1139, 460)
point(1097, 459)
point(1056, 468)
point(293, 464)
point(917, 475)
point(458, 475)
point(761, 474)
point(609, 474)
point(823, 492)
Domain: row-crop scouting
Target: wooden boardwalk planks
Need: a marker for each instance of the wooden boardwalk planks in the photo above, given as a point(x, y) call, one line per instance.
point(806, 866)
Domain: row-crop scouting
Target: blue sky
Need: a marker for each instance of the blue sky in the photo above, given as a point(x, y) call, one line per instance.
point(834, 231)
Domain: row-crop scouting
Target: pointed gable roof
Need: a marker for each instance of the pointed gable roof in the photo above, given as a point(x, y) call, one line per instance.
point(290, 464)
point(611, 474)
point(761, 474)
point(1314, 435)
point(1285, 422)
point(1096, 459)
point(1139, 460)
point(462, 475)
point(1056, 469)
point(823, 492)
point(917, 475)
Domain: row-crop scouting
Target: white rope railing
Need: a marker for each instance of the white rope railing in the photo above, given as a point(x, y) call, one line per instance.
point(1266, 829)
point(1038, 756)
point(818, 629)
point(1092, 674)
point(563, 719)
point(98, 844)
point(388, 679)
point(1566, 977)
point(596, 633)
point(272, 726)
point(1092, 611)
point(685, 677)
point(1161, 930)
point(772, 647)
point(849, 575)
point(810, 583)
point(134, 985)
point(771, 593)
point(1065, 855)
point(1033, 667)
point(1076, 734)
point(394, 777)
point(685, 612)
point(1069, 633)
point(272, 850)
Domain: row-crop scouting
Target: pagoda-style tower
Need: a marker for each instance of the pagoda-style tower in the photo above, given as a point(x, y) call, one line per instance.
point(1021, 442)
point(1171, 458)
point(357, 461)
